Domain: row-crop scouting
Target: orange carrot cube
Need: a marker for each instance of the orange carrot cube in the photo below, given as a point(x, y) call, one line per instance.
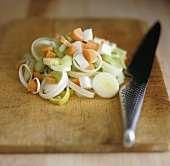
point(50, 54)
point(91, 45)
point(32, 86)
point(37, 74)
point(45, 50)
point(90, 67)
point(71, 50)
point(75, 81)
point(17, 66)
point(89, 55)
point(77, 34)
point(64, 41)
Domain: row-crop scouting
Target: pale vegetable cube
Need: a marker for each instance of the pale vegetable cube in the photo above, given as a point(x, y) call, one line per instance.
point(98, 40)
point(85, 82)
point(81, 61)
point(78, 45)
point(104, 49)
point(113, 46)
point(88, 35)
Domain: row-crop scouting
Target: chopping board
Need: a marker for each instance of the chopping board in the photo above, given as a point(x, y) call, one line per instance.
point(32, 124)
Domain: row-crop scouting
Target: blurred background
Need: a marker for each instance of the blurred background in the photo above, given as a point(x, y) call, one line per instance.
point(145, 10)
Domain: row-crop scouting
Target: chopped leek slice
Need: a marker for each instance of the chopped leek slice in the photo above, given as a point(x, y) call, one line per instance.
point(105, 85)
point(52, 61)
point(62, 98)
point(31, 65)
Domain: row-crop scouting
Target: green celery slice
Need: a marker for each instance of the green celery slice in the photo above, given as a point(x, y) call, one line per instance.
point(62, 48)
point(39, 66)
point(58, 53)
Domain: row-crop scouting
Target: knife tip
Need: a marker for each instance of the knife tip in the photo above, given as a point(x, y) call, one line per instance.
point(129, 138)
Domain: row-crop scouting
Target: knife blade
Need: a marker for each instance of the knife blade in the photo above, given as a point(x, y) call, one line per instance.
point(132, 94)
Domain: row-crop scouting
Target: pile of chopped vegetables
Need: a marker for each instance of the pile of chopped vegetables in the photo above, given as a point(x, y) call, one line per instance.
point(76, 63)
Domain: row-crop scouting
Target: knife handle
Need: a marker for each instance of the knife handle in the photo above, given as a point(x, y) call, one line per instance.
point(131, 99)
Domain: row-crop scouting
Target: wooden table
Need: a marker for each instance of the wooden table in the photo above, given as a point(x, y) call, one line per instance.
point(149, 11)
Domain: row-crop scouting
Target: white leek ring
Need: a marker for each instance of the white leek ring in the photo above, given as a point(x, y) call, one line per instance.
point(77, 74)
point(65, 96)
point(60, 68)
point(21, 74)
point(99, 61)
point(43, 41)
point(80, 90)
point(57, 89)
point(38, 86)
point(105, 85)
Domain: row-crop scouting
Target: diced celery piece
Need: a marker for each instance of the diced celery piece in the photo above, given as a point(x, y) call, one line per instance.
point(108, 59)
point(43, 76)
point(115, 55)
point(49, 70)
point(69, 38)
point(39, 66)
point(65, 51)
point(56, 43)
point(122, 54)
point(26, 56)
point(120, 51)
point(62, 48)
point(96, 65)
point(58, 53)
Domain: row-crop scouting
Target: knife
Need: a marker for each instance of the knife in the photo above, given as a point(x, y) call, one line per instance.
point(132, 94)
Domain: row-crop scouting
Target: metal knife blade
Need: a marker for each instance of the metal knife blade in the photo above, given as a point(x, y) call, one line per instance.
point(132, 94)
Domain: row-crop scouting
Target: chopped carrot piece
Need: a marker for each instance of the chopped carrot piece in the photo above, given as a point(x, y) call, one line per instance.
point(89, 55)
point(17, 66)
point(90, 67)
point(64, 41)
point(56, 36)
point(103, 41)
point(71, 50)
point(50, 54)
point(37, 74)
point(45, 50)
point(91, 45)
point(32, 86)
point(77, 34)
point(51, 80)
point(75, 81)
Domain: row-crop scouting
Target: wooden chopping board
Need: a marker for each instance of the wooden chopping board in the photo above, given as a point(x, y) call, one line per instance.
point(32, 124)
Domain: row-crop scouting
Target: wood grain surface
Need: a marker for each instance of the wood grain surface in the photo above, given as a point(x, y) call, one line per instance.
point(149, 11)
point(32, 124)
